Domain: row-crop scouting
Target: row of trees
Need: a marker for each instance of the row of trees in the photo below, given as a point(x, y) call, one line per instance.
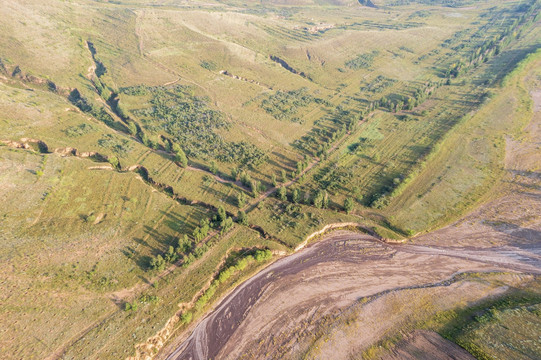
point(319, 139)
point(283, 105)
point(492, 46)
point(257, 255)
point(255, 186)
point(398, 103)
point(319, 199)
point(186, 246)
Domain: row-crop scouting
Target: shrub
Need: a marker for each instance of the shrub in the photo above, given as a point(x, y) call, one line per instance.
point(157, 263)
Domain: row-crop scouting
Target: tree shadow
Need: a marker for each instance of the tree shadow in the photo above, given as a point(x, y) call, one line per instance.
point(173, 219)
point(286, 160)
point(525, 236)
point(500, 65)
point(526, 173)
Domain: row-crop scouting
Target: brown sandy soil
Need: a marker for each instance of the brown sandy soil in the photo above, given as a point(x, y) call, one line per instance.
point(376, 288)
point(296, 292)
point(397, 312)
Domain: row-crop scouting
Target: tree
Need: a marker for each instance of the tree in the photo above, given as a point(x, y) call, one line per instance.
point(226, 225)
point(144, 138)
point(241, 199)
point(132, 128)
point(318, 200)
point(306, 198)
point(221, 215)
point(205, 227)
point(241, 218)
point(186, 318)
point(396, 107)
point(213, 168)
point(180, 156)
point(282, 193)
point(300, 167)
point(131, 306)
point(184, 245)
point(348, 205)
point(274, 181)
point(113, 160)
point(284, 176)
point(197, 235)
point(245, 178)
point(167, 144)
point(254, 186)
point(295, 196)
point(157, 263)
point(170, 256)
point(325, 199)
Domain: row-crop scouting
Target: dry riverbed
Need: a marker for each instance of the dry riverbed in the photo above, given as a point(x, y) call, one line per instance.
point(279, 309)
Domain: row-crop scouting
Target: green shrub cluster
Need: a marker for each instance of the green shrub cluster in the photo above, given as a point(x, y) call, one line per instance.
point(209, 65)
point(362, 61)
point(143, 299)
point(192, 124)
point(379, 84)
point(78, 130)
point(115, 144)
point(283, 105)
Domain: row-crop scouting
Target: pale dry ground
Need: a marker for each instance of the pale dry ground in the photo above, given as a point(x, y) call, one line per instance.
point(278, 311)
